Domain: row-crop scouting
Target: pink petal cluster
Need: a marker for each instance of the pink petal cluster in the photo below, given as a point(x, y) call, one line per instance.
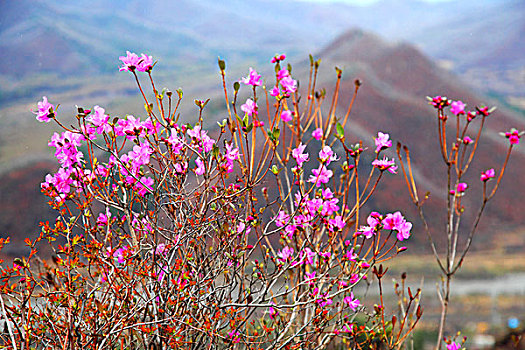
point(352, 302)
point(253, 78)
point(204, 142)
point(320, 176)
point(132, 61)
point(385, 164)
point(286, 116)
point(457, 107)
point(326, 155)
point(317, 134)
point(100, 120)
point(397, 222)
point(249, 107)
point(382, 141)
point(453, 346)
point(487, 175)
point(299, 156)
point(230, 156)
point(44, 110)
point(392, 221)
point(513, 136)
point(278, 58)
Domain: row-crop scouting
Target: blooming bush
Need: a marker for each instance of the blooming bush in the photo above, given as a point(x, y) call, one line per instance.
point(249, 234)
point(457, 159)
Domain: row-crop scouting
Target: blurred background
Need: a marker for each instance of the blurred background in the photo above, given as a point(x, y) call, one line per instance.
point(402, 50)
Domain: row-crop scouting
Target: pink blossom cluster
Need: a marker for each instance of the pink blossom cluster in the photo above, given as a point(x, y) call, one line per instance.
point(132, 61)
point(45, 110)
point(385, 164)
point(392, 221)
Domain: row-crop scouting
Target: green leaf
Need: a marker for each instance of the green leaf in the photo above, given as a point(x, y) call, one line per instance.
point(249, 128)
point(340, 131)
point(179, 92)
point(276, 132)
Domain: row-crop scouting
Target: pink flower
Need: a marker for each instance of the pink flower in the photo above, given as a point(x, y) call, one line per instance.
point(283, 73)
point(200, 166)
point(144, 185)
point(513, 136)
point(352, 303)
point(317, 134)
point(285, 254)
point(100, 120)
point(275, 91)
point(338, 223)
point(131, 61)
point(320, 176)
point(374, 225)
point(299, 156)
point(462, 187)
point(272, 313)
point(45, 109)
point(327, 155)
point(457, 107)
point(382, 141)
point(102, 219)
point(252, 79)
point(249, 107)
point(467, 140)
point(241, 228)
point(487, 175)
point(453, 346)
point(161, 249)
point(385, 164)
point(145, 63)
point(397, 222)
point(277, 58)
point(203, 140)
point(286, 116)
point(289, 85)
point(175, 142)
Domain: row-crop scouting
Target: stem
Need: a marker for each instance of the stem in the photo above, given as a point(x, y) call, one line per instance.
point(444, 310)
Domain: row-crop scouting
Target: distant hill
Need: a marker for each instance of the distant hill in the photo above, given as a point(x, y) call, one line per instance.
point(396, 78)
point(482, 40)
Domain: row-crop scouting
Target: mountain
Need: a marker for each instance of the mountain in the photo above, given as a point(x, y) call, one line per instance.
point(483, 40)
point(396, 78)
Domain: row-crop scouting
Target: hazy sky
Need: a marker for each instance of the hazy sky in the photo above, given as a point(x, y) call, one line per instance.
point(367, 2)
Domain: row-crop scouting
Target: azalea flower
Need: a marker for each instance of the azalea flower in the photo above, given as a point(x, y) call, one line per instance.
point(44, 110)
point(317, 134)
point(299, 156)
point(249, 107)
point(457, 107)
point(286, 116)
point(320, 176)
point(252, 79)
point(382, 141)
point(352, 303)
point(397, 222)
point(200, 166)
point(487, 175)
point(385, 164)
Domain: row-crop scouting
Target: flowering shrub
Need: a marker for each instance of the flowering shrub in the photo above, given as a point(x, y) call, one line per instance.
point(246, 235)
point(457, 160)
